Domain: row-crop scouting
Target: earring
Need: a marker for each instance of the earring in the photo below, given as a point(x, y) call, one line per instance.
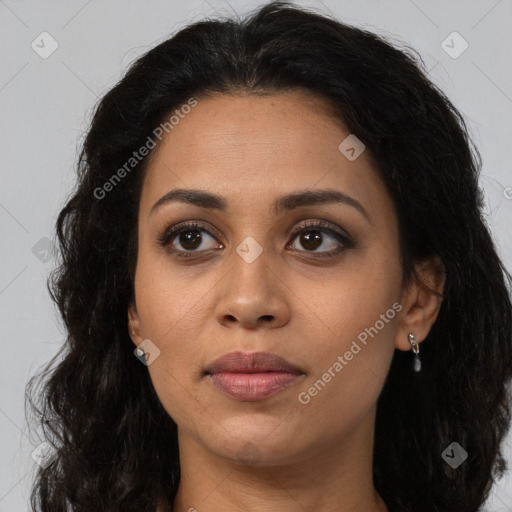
point(416, 349)
point(139, 351)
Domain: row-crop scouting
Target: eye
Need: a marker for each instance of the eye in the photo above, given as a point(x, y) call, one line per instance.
point(186, 239)
point(320, 235)
point(189, 237)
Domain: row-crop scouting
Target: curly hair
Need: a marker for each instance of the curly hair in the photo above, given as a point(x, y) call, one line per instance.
point(115, 446)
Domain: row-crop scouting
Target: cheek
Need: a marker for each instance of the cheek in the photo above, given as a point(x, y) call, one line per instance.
point(170, 311)
point(360, 327)
point(353, 298)
point(349, 371)
point(354, 345)
point(170, 300)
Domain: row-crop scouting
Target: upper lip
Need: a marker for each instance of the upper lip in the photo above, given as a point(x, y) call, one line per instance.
point(253, 362)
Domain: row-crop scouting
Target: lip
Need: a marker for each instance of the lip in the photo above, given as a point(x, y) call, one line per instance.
point(252, 362)
point(252, 376)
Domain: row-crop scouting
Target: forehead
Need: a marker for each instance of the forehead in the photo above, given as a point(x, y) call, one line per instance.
point(255, 146)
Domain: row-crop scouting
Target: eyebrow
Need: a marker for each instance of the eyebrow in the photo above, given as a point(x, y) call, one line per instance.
point(288, 202)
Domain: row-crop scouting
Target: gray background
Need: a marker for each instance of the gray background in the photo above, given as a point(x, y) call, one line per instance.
point(46, 104)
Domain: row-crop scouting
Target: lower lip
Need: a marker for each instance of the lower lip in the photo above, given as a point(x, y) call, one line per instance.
point(252, 386)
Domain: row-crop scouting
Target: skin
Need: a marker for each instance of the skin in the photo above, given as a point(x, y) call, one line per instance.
point(289, 301)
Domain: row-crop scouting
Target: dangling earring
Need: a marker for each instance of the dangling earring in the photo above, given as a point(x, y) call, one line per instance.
point(416, 349)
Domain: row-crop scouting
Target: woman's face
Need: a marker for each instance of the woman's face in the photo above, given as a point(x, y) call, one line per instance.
point(246, 280)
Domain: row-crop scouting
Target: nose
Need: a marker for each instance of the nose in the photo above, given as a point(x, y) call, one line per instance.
point(253, 295)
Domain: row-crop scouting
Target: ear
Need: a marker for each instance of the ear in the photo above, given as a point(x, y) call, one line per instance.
point(421, 302)
point(134, 324)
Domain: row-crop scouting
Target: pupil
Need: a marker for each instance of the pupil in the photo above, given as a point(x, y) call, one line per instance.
point(311, 242)
point(188, 237)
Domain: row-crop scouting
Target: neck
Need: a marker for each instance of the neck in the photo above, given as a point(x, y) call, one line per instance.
point(335, 476)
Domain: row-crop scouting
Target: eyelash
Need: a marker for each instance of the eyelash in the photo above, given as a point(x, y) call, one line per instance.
point(322, 226)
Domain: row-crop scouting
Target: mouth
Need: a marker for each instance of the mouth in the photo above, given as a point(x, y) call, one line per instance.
point(252, 376)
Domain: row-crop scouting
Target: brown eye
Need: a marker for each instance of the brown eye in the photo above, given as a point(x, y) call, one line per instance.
point(188, 238)
point(317, 238)
point(313, 239)
point(192, 240)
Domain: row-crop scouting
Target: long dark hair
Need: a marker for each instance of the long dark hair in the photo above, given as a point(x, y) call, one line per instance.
point(115, 447)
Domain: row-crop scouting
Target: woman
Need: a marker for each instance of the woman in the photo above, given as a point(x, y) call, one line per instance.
point(277, 284)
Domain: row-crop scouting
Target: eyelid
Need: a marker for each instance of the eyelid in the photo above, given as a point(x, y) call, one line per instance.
point(324, 226)
point(182, 226)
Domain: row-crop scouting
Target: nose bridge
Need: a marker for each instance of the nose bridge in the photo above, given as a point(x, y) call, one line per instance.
point(251, 272)
point(253, 244)
point(251, 289)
